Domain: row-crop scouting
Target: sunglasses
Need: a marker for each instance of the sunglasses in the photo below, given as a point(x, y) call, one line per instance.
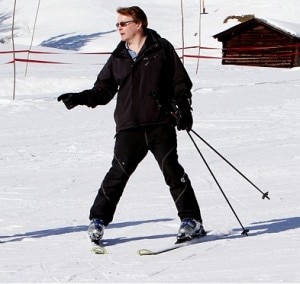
point(124, 24)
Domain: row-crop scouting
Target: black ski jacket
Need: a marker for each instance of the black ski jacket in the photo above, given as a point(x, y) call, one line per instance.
point(144, 87)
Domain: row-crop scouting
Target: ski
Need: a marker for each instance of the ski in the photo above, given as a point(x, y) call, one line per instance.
point(98, 248)
point(207, 237)
point(169, 248)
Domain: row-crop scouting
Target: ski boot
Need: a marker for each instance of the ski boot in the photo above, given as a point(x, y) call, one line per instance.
point(189, 229)
point(96, 230)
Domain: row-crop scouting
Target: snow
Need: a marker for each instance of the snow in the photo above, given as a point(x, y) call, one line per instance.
point(52, 160)
point(292, 28)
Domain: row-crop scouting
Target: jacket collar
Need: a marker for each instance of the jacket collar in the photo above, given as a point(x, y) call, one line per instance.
point(151, 43)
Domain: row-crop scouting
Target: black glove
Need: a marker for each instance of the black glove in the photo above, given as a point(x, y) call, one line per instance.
point(184, 120)
point(183, 113)
point(70, 99)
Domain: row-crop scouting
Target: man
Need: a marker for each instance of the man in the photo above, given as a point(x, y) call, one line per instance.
point(152, 84)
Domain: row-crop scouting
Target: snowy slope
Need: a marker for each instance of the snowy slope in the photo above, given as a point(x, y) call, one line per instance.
point(52, 160)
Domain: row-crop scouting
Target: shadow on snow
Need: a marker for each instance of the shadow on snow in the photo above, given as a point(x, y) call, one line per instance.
point(274, 226)
point(258, 228)
point(74, 229)
point(5, 29)
point(71, 42)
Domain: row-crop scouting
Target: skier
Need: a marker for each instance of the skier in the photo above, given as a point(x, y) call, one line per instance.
point(151, 83)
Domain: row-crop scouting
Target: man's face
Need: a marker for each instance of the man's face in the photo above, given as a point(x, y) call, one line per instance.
point(127, 27)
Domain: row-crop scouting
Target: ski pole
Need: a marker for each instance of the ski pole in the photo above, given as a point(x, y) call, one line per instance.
point(245, 231)
point(264, 194)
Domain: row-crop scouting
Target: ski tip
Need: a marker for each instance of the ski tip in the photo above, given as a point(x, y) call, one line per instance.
point(145, 252)
point(99, 250)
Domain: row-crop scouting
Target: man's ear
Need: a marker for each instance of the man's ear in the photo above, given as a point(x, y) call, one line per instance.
point(139, 25)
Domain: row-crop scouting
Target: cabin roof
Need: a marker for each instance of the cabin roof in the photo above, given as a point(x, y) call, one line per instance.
point(287, 28)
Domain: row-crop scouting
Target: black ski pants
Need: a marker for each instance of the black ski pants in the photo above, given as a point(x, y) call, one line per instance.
point(131, 147)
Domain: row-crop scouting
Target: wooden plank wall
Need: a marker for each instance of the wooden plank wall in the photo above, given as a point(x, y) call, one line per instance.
point(260, 46)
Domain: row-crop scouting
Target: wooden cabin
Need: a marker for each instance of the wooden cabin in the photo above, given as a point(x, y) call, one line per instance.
point(258, 42)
